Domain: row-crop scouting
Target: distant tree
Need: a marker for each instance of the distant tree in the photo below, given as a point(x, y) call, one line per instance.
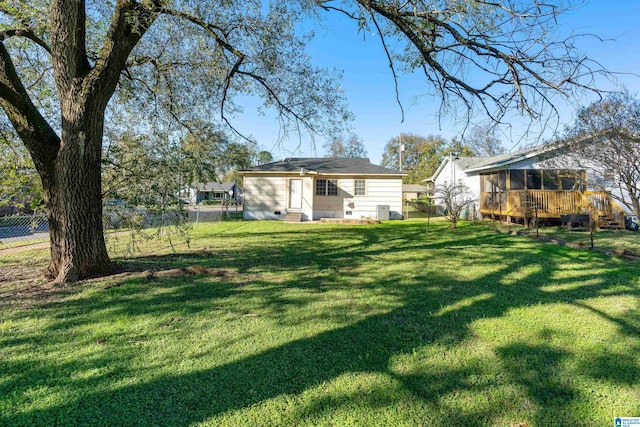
point(264, 157)
point(236, 155)
point(153, 172)
point(20, 185)
point(233, 175)
point(605, 138)
point(345, 147)
point(144, 169)
point(484, 141)
point(420, 158)
point(208, 153)
point(456, 198)
point(459, 148)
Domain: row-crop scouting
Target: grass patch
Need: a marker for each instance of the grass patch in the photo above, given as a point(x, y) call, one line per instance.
point(321, 324)
point(612, 240)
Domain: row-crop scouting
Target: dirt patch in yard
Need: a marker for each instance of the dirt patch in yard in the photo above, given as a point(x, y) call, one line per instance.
point(24, 284)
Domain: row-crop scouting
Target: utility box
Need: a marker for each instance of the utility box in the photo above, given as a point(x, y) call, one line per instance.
point(382, 212)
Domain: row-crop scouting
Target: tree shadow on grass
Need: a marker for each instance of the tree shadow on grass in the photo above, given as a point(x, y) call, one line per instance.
point(435, 310)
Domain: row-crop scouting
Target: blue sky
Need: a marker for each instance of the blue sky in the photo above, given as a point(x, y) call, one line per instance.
point(369, 86)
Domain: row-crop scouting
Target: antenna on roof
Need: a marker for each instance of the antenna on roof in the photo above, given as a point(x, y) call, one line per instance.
point(401, 150)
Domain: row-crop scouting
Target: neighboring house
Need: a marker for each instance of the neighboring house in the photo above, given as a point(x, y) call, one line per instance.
point(526, 184)
point(315, 188)
point(221, 191)
point(414, 191)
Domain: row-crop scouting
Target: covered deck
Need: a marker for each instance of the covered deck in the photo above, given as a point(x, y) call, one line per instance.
point(521, 195)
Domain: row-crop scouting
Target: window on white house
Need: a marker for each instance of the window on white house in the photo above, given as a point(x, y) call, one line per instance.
point(360, 187)
point(326, 187)
point(332, 187)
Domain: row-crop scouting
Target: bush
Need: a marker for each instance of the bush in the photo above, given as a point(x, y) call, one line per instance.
point(423, 204)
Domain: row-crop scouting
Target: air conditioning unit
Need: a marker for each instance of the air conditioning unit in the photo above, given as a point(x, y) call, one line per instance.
point(382, 212)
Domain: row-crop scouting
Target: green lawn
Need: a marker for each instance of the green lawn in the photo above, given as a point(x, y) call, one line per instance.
point(611, 240)
point(330, 325)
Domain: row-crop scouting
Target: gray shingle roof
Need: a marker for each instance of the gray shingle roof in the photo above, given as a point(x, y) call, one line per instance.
point(468, 162)
point(354, 166)
point(215, 186)
point(503, 160)
point(477, 164)
point(414, 188)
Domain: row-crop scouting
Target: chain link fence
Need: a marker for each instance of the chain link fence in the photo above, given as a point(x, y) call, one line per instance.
point(19, 232)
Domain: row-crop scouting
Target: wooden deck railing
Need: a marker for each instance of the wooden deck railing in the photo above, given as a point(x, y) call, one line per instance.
point(549, 203)
point(553, 202)
point(605, 205)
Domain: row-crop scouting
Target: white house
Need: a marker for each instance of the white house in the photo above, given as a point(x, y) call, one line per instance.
point(414, 191)
point(218, 191)
point(536, 182)
point(315, 188)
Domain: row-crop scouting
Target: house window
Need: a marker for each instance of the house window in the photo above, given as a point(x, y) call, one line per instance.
point(360, 187)
point(550, 179)
point(571, 179)
point(534, 179)
point(517, 179)
point(326, 187)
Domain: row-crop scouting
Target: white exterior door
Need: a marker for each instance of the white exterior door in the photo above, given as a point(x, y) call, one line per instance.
point(295, 194)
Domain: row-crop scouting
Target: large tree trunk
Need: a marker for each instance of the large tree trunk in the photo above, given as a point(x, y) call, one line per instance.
point(69, 165)
point(74, 202)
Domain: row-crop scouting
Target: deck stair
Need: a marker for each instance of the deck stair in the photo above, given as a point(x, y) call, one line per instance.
point(293, 217)
point(610, 216)
point(607, 222)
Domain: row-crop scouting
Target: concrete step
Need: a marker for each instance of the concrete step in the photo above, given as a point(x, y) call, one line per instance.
point(293, 217)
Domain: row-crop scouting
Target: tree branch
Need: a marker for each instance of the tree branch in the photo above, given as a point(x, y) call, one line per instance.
point(129, 23)
point(38, 136)
point(391, 66)
point(521, 64)
point(26, 33)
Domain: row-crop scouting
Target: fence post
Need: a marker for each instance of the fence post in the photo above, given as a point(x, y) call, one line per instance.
point(591, 230)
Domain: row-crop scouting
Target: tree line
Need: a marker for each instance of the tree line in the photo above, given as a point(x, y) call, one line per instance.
point(423, 154)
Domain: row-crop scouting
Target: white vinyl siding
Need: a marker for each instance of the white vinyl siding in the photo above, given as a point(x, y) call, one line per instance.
point(264, 196)
point(378, 191)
